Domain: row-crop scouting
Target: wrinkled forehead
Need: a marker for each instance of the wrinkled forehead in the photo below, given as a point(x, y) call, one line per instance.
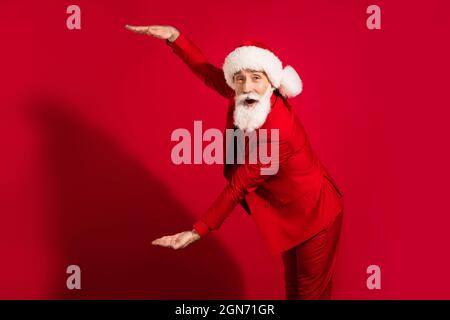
point(249, 71)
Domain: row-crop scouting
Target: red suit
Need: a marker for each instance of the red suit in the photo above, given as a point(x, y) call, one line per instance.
point(293, 205)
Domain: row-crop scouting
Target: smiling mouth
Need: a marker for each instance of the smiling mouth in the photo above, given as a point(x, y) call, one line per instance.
point(250, 102)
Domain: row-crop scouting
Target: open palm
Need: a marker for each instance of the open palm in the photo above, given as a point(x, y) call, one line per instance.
point(177, 241)
point(157, 31)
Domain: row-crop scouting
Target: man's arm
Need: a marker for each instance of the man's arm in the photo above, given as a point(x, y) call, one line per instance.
point(193, 57)
point(211, 75)
point(245, 179)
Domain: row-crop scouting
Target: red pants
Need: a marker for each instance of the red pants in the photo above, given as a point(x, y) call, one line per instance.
point(309, 267)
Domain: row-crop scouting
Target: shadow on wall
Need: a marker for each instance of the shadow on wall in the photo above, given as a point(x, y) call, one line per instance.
point(106, 210)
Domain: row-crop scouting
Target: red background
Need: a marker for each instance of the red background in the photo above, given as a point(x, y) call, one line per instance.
point(85, 125)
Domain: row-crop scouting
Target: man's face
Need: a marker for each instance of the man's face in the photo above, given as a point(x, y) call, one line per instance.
point(252, 100)
point(247, 81)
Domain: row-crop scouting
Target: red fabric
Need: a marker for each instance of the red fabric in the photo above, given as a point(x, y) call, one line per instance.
point(256, 44)
point(309, 266)
point(288, 207)
point(201, 228)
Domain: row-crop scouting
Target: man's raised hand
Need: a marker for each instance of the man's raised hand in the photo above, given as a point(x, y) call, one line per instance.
point(161, 32)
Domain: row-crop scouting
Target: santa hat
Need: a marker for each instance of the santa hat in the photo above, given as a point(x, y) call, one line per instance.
point(257, 56)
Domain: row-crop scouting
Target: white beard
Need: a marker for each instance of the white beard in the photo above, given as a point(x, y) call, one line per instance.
point(249, 118)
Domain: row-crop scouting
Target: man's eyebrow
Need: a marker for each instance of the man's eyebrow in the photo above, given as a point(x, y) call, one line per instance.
point(260, 73)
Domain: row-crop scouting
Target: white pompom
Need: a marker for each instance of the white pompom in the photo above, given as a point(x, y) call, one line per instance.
point(291, 85)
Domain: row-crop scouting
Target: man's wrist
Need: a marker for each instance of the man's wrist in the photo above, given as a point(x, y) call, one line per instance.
point(174, 36)
point(195, 234)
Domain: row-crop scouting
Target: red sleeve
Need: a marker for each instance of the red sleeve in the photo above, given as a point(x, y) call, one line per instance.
point(211, 75)
point(201, 228)
point(245, 179)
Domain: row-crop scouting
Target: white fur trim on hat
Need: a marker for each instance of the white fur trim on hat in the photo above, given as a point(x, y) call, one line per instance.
point(291, 85)
point(255, 58)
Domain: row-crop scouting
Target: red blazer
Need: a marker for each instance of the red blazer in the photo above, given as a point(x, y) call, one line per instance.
point(288, 207)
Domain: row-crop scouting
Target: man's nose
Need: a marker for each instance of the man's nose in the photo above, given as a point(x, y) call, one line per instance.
point(247, 87)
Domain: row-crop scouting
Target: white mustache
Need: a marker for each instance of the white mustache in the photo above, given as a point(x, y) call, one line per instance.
point(242, 97)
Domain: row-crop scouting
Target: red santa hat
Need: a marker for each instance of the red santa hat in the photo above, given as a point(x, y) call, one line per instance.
point(257, 56)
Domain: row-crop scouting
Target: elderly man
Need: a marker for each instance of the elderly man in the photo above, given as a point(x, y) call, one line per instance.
point(299, 209)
